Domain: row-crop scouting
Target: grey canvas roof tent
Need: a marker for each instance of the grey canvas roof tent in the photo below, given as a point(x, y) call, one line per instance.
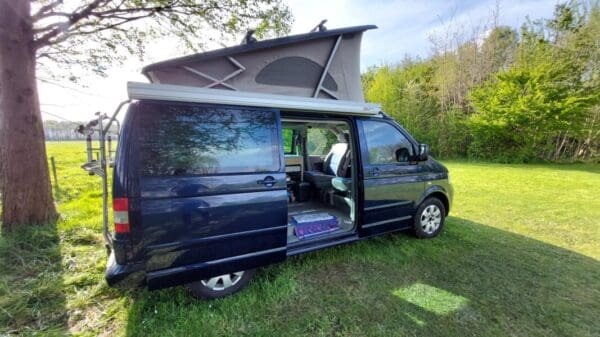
point(321, 64)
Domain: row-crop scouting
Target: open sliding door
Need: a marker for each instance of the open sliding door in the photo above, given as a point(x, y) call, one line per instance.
point(212, 190)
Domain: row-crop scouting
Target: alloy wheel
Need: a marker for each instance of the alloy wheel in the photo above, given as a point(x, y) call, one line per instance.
point(222, 282)
point(431, 218)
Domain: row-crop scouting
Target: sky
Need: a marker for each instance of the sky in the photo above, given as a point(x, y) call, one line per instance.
point(405, 28)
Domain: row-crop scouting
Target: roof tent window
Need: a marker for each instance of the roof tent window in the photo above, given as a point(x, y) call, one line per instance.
point(295, 71)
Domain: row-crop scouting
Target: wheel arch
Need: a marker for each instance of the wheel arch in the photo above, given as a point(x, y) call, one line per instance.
point(439, 193)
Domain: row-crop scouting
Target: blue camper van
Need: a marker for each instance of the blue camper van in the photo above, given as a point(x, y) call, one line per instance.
point(213, 180)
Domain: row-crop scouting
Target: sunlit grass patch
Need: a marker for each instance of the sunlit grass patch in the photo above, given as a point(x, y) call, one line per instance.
point(432, 299)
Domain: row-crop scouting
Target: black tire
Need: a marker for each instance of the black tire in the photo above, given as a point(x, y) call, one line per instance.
point(201, 290)
point(425, 221)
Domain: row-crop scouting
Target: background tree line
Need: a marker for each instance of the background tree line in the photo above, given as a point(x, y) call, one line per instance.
point(62, 130)
point(66, 130)
point(501, 94)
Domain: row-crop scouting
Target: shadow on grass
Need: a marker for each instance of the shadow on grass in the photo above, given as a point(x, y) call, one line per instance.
point(473, 280)
point(31, 282)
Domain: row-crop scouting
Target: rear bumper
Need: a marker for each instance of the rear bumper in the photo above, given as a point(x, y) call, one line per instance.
point(124, 276)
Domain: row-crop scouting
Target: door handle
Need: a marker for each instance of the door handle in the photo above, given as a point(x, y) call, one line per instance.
point(268, 181)
point(375, 171)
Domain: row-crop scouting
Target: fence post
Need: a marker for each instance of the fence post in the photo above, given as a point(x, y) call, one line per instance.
point(54, 172)
point(88, 143)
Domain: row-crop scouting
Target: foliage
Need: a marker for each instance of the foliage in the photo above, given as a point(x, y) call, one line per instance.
point(539, 106)
point(408, 94)
point(509, 97)
point(94, 34)
point(496, 273)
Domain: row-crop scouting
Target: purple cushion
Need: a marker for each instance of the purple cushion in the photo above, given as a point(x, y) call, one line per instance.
point(309, 225)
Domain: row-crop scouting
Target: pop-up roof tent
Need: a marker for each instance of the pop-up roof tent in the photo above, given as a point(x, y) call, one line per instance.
point(320, 64)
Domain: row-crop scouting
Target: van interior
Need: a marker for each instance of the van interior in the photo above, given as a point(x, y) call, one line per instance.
point(319, 173)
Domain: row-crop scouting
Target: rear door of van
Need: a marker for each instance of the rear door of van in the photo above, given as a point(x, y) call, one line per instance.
point(212, 190)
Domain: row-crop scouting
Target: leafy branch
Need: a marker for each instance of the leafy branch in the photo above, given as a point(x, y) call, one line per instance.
point(107, 30)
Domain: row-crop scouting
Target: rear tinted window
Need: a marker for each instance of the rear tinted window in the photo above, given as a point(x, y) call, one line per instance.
point(191, 139)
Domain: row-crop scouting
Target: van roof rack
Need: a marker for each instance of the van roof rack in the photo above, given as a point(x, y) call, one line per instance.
point(169, 92)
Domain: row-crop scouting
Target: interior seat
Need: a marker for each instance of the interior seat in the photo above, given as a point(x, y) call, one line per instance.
point(335, 165)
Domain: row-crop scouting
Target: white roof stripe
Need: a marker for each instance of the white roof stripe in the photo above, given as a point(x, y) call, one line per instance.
point(169, 92)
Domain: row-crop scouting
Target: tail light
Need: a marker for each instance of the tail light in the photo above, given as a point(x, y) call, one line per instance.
point(121, 215)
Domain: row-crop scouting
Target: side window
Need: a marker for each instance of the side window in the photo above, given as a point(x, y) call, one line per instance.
point(192, 139)
point(319, 141)
point(385, 144)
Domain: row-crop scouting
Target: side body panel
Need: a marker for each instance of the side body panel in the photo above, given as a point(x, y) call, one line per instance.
point(186, 226)
point(227, 224)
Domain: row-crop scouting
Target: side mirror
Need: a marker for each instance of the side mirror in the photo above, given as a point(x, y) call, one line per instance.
point(423, 152)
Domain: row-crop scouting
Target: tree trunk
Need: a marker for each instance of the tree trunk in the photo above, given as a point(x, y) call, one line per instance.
point(24, 176)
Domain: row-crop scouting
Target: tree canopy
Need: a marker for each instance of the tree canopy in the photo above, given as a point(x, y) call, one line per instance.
point(96, 34)
point(511, 96)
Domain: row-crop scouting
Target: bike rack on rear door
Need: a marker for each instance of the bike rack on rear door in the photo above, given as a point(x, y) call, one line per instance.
point(99, 166)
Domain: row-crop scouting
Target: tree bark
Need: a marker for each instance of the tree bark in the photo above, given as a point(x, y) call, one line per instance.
point(24, 177)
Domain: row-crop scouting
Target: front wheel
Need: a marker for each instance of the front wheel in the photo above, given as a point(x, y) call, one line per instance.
point(429, 219)
point(222, 285)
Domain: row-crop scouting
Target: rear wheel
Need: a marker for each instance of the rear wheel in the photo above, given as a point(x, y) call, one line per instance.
point(429, 219)
point(222, 285)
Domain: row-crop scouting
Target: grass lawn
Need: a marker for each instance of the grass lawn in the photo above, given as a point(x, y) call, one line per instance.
point(520, 256)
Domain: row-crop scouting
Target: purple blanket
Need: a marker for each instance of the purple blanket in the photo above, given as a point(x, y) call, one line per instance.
point(309, 225)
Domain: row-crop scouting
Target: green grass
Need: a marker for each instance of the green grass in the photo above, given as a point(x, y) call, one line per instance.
point(520, 256)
